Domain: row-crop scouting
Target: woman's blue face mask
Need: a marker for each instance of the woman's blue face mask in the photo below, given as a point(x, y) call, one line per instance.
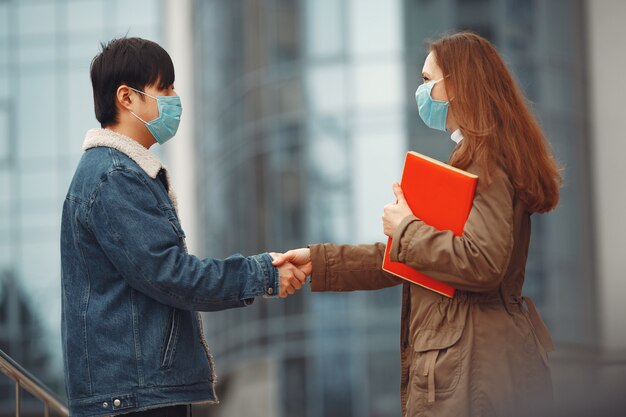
point(164, 127)
point(433, 112)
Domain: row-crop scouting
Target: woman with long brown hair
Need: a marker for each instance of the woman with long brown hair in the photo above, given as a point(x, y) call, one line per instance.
point(483, 352)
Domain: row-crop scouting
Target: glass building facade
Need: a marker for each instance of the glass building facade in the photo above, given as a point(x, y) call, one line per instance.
point(46, 106)
point(304, 110)
point(298, 145)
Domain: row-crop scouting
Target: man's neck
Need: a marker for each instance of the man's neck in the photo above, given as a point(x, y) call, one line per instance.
point(143, 140)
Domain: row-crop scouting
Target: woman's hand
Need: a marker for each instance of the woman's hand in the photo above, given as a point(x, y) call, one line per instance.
point(292, 278)
point(394, 213)
point(301, 258)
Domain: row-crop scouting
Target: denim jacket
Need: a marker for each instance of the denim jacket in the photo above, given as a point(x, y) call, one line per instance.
point(132, 337)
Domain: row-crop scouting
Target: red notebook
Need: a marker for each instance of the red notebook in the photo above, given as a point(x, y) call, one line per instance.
point(442, 197)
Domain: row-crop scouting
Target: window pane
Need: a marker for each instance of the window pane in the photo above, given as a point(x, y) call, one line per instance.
point(36, 115)
point(85, 16)
point(325, 27)
point(384, 36)
point(378, 86)
point(4, 137)
point(35, 18)
point(4, 21)
point(130, 15)
point(320, 81)
point(37, 53)
point(79, 116)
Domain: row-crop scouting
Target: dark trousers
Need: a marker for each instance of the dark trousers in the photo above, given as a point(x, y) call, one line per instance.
point(174, 411)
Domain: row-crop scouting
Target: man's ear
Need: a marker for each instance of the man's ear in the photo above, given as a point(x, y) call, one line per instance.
point(124, 97)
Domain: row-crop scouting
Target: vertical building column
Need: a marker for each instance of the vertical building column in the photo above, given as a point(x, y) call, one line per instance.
point(377, 94)
point(180, 151)
point(607, 87)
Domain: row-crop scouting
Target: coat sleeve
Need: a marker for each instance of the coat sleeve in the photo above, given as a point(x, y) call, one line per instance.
point(475, 261)
point(349, 268)
point(141, 241)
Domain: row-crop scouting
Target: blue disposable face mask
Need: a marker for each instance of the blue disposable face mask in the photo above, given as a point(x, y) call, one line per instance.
point(164, 127)
point(433, 112)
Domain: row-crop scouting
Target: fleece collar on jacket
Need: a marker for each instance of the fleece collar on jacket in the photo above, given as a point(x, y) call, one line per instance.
point(135, 151)
point(146, 160)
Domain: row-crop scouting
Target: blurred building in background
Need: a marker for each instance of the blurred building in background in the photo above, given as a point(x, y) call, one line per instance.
point(46, 106)
point(304, 111)
point(297, 117)
point(301, 132)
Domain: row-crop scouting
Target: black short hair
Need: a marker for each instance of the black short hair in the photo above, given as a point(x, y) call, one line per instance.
point(134, 62)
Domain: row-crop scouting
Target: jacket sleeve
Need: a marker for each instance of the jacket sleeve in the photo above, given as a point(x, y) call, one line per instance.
point(475, 261)
point(349, 268)
point(140, 238)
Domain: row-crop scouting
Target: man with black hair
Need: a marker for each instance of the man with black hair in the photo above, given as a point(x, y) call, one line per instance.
point(132, 337)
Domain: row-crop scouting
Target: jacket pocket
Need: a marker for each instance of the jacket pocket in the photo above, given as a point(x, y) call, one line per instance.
point(170, 340)
point(173, 219)
point(177, 227)
point(437, 361)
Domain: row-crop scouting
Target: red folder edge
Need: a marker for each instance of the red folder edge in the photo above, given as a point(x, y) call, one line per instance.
point(406, 272)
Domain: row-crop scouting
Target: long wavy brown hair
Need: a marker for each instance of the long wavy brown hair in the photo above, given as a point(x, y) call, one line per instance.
point(497, 125)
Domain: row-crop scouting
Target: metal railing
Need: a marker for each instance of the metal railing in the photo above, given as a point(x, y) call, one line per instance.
point(24, 380)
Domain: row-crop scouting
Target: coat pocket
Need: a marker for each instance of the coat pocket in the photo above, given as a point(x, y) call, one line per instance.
point(170, 340)
point(437, 361)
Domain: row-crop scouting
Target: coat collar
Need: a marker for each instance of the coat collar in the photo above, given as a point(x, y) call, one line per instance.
point(133, 149)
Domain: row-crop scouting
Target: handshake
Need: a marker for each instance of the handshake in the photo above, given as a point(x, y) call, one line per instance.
point(294, 267)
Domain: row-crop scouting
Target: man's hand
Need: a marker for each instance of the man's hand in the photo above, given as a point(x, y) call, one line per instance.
point(301, 258)
point(291, 278)
point(395, 213)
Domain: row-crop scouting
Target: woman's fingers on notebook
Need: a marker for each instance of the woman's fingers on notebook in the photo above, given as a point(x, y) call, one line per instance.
point(397, 190)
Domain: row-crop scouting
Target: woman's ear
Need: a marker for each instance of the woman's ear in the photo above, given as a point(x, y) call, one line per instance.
point(123, 97)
